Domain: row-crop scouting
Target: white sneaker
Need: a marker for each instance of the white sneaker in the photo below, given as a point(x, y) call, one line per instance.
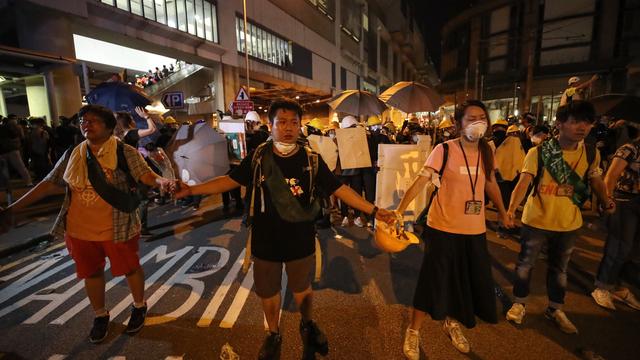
point(560, 318)
point(452, 328)
point(411, 347)
point(516, 313)
point(358, 222)
point(345, 222)
point(627, 297)
point(603, 298)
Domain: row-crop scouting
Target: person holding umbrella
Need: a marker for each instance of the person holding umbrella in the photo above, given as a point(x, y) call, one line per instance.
point(455, 282)
point(283, 180)
point(99, 217)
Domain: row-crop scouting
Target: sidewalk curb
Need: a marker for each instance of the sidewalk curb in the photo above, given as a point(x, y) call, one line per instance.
point(25, 245)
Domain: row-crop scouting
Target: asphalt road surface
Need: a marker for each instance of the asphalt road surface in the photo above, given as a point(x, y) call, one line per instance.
point(200, 300)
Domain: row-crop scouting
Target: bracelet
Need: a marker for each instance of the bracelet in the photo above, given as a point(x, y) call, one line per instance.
point(374, 212)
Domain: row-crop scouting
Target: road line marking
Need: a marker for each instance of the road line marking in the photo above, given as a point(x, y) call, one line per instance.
point(212, 309)
point(27, 258)
point(238, 302)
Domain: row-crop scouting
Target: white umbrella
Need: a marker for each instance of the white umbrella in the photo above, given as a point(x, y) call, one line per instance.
point(204, 156)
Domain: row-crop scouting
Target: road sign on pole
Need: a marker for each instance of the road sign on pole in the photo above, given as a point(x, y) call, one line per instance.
point(243, 104)
point(173, 100)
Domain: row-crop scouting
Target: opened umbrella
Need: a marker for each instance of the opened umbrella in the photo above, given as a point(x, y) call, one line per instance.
point(357, 102)
point(202, 155)
point(118, 96)
point(618, 106)
point(410, 96)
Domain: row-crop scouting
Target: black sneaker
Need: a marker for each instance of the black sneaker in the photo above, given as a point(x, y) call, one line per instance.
point(100, 329)
point(270, 347)
point(313, 340)
point(136, 321)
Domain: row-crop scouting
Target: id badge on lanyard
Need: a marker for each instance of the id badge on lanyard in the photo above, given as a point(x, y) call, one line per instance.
point(473, 206)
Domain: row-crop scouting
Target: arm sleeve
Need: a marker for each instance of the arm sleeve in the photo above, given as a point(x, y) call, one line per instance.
point(434, 161)
point(530, 165)
point(327, 181)
point(242, 174)
point(626, 152)
point(56, 175)
point(137, 166)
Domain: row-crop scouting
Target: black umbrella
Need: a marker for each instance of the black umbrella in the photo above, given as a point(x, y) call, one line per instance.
point(618, 106)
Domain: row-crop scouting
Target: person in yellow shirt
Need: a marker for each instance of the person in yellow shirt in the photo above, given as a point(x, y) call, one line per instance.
point(561, 170)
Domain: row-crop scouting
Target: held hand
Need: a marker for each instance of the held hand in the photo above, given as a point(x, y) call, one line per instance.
point(609, 206)
point(386, 215)
point(141, 112)
point(181, 190)
point(508, 220)
point(167, 186)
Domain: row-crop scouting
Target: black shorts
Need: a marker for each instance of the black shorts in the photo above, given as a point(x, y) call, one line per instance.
point(267, 275)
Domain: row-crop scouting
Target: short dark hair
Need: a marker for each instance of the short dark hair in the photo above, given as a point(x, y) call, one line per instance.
point(284, 104)
point(105, 114)
point(540, 129)
point(580, 110)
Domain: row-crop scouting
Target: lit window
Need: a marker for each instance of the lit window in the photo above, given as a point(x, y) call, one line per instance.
point(182, 15)
point(263, 44)
point(199, 18)
point(172, 17)
point(123, 4)
point(208, 23)
point(149, 11)
point(160, 12)
point(191, 17)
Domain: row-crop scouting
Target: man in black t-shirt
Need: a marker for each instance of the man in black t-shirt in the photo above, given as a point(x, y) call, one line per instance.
point(289, 176)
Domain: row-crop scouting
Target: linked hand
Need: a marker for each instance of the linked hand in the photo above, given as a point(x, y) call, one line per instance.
point(166, 185)
point(182, 190)
point(508, 220)
point(610, 206)
point(385, 215)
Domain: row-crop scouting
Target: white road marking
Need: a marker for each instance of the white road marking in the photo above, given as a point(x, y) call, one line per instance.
point(212, 309)
point(27, 258)
point(238, 302)
point(34, 277)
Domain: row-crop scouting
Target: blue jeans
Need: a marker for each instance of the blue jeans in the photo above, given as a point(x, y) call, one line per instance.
point(623, 234)
point(561, 245)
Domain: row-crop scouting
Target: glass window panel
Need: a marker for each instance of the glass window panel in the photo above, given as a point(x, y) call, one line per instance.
point(108, 2)
point(263, 47)
point(136, 7)
point(208, 23)
point(500, 20)
point(149, 9)
point(191, 17)
point(254, 42)
point(565, 56)
point(172, 18)
point(240, 26)
point(160, 12)
point(566, 32)
point(199, 18)
point(269, 48)
point(290, 48)
point(182, 15)
point(123, 4)
point(214, 24)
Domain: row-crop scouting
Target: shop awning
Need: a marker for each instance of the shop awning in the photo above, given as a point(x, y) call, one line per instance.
point(21, 62)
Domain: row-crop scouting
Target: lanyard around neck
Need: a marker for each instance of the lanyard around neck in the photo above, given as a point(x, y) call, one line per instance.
point(471, 181)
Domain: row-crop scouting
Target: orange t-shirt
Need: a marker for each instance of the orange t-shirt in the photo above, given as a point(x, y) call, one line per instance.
point(89, 217)
point(447, 211)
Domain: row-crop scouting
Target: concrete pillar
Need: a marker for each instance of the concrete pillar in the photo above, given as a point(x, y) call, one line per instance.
point(52, 34)
point(37, 97)
point(231, 84)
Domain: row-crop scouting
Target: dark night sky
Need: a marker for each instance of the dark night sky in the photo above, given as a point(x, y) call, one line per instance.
point(431, 15)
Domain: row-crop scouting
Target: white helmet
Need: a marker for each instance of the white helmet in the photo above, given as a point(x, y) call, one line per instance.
point(348, 121)
point(573, 80)
point(252, 116)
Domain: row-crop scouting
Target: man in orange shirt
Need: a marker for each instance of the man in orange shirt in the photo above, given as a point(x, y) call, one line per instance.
point(98, 218)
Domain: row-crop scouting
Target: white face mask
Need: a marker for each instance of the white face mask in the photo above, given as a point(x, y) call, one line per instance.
point(475, 131)
point(536, 140)
point(284, 148)
point(414, 139)
point(447, 134)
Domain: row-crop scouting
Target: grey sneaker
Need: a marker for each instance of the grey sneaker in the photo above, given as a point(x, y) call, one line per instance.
point(411, 347)
point(603, 298)
point(624, 295)
point(452, 328)
point(560, 318)
point(516, 313)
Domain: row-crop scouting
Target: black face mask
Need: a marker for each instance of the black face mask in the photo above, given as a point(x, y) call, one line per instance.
point(500, 135)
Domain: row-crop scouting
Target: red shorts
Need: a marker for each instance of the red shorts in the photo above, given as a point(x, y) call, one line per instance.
point(89, 256)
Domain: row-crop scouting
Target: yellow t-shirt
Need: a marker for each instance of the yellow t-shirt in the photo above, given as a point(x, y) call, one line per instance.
point(547, 210)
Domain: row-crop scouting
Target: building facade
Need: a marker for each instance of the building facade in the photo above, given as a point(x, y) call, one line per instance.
point(54, 52)
point(518, 55)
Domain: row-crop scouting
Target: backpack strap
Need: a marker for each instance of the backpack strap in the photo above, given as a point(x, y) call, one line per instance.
point(591, 157)
point(539, 172)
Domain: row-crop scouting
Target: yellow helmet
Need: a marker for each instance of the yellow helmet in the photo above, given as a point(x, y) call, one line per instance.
point(512, 128)
point(446, 123)
point(391, 239)
point(170, 120)
point(316, 123)
point(501, 122)
point(373, 120)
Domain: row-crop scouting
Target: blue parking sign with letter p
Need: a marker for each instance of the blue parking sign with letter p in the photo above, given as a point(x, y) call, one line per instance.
point(173, 100)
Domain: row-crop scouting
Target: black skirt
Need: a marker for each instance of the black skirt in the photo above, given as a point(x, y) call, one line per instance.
point(455, 279)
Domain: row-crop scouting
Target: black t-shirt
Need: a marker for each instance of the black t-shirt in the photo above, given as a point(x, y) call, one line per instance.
point(132, 138)
point(274, 239)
